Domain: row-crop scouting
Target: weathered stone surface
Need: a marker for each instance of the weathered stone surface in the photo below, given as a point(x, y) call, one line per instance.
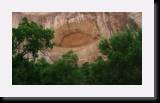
point(137, 17)
point(78, 31)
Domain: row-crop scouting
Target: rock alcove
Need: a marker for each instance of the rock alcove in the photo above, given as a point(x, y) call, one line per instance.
point(78, 31)
point(76, 39)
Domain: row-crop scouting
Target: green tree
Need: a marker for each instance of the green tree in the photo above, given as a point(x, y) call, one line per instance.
point(63, 71)
point(124, 52)
point(70, 58)
point(104, 45)
point(29, 38)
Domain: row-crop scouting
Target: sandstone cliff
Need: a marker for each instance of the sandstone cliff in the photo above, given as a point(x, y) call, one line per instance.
point(78, 31)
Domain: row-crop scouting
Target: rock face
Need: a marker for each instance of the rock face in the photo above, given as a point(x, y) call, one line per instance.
point(136, 17)
point(78, 31)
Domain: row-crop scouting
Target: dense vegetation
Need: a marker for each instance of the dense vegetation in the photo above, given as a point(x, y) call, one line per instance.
point(123, 49)
point(29, 38)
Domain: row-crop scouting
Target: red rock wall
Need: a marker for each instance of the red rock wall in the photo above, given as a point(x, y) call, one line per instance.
point(79, 32)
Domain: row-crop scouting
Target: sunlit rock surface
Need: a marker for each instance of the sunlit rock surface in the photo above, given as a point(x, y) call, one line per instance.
point(79, 32)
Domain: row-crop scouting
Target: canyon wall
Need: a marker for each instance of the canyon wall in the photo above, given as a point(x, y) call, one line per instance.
point(78, 31)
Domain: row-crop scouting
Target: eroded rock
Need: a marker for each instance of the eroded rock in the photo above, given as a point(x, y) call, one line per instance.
point(78, 31)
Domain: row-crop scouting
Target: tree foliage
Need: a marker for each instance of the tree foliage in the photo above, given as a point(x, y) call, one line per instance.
point(124, 56)
point(123, 49)
point(29, 38)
